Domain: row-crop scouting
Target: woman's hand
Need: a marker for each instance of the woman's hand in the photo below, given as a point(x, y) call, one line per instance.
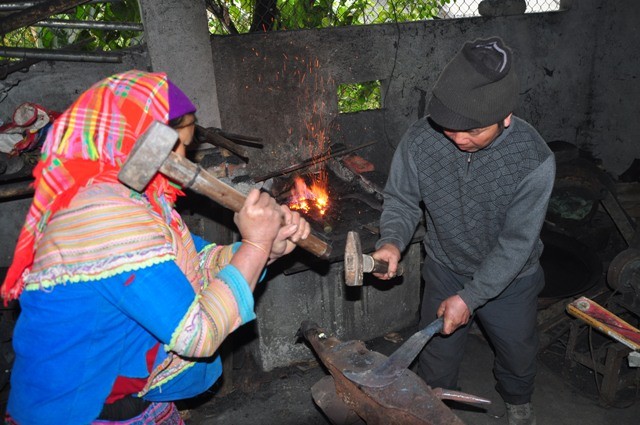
point(294, 229)
point(259, 220)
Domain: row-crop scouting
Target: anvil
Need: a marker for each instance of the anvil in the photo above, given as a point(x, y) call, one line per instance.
point(406, 400)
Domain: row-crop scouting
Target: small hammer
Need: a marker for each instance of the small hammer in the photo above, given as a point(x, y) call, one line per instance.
point(153, 153)
point(356, 263)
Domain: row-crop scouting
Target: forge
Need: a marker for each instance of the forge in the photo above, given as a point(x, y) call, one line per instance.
point(303, 285)
point(345, 205)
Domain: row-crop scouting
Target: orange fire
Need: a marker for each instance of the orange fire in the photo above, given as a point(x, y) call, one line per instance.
point(312, 198)
point(305, 198)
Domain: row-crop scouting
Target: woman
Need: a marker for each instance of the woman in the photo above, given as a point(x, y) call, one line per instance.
point(122, 309)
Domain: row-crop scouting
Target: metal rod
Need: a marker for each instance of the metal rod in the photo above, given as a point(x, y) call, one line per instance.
point(60, 55)
point(211, 136)
point(19, 5)
point(38, 12)
point(311, 161)
point(17, 189)
point(239, 137)
point(11, 67)
point(63, 23)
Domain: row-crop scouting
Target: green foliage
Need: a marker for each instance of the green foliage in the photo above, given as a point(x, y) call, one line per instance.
point(238, 14)
point(359, 97)
point(87, 39)
point(301, 14)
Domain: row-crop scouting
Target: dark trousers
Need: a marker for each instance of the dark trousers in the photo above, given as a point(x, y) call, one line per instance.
point(509, 321)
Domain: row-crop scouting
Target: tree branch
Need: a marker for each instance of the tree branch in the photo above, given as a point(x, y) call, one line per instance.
point(221, 12)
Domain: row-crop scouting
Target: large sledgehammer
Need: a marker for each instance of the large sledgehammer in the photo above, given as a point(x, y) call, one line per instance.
point(153, 153)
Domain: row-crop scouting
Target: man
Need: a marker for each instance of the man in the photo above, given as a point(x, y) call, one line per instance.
point(485, 178)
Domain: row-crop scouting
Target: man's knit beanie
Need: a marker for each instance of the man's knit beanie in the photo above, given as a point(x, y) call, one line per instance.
point(478, 88)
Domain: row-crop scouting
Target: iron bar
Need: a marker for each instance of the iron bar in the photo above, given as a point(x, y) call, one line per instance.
point(60, 55)
point(16, 189)
point(99, 25)
point(20, 5)
point(209, 135)
point(38, 12)
point(311, 161)
point(9, 67)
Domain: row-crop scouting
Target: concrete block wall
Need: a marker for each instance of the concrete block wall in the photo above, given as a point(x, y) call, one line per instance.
point(276, 85)
point(349, 312)
point(612, 128)
point(55, 85)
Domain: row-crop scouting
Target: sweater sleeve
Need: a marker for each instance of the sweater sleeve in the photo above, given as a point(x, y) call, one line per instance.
point(517, 239)
point(401, 210)
point(161, 300)
point(223, 304)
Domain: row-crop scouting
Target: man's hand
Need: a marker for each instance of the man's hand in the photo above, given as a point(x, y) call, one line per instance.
point(455, 312)
point(391, 254)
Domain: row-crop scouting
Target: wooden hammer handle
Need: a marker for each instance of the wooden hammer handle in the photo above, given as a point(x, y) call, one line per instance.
point(192, 176)
point(371, 265)
point(596, 316)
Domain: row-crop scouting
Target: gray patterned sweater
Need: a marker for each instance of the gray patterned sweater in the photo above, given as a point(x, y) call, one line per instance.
point(483, 210)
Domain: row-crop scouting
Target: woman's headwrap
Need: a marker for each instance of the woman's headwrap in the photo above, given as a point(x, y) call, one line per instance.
point(88, 144)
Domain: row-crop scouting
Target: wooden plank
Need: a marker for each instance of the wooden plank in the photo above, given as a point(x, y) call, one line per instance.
point(602, 319)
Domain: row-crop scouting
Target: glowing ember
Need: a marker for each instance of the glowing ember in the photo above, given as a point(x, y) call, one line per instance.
point(305, 198)
point(312, 140)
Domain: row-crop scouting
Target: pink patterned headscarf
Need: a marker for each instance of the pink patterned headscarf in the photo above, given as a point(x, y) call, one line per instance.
point(89, 143)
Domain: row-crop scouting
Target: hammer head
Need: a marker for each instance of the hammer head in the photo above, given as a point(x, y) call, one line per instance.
point(353, 270)
point(147, 156)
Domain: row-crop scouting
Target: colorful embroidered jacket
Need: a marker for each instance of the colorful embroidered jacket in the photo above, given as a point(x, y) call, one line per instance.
point(111, 281)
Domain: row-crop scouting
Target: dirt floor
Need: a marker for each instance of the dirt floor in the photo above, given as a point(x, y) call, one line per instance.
point(565, 394)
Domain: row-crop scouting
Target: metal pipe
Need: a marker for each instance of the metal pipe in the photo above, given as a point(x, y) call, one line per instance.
point(19, 5)
point(63, 23)
point(60, 55)
point(311, 161)
point(33, 14)
point(17, 189)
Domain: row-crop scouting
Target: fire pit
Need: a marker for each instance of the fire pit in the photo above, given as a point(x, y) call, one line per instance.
point(333, 192)
point(333, 206)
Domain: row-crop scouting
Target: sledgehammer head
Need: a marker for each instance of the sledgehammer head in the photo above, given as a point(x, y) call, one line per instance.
point(147, 156)
point(353, 268)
